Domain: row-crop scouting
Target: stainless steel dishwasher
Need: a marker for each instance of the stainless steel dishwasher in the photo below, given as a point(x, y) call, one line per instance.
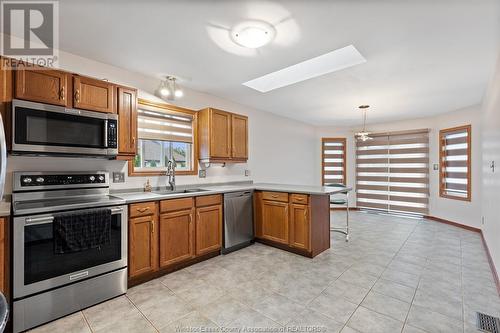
point(238, 220)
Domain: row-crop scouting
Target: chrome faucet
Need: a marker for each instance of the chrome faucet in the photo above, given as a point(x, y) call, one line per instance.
point(171, 174)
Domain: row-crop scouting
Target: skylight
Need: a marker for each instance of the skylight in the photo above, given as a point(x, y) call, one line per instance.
point(327, 63)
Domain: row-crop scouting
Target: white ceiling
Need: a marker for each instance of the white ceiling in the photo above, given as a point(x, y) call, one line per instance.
point(424, 57)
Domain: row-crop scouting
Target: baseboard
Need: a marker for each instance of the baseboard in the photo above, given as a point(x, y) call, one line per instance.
point(485, 245)
point(343, 208)
point(460, 225)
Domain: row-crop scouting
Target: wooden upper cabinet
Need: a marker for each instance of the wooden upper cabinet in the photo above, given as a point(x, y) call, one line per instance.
point(239, 137)
point(208, 229)
point(299, 227)
point(222, 136)
point(176, 237)
point(143, 245)
point(275, 221)
point(92, 94)
point(127, 121)
point(5, 80)
point(42, 85)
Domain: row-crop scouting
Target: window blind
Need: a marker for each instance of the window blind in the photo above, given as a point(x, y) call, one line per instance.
point(333, 160)
point(455, 162)
point(392, 172)
point(159, 124)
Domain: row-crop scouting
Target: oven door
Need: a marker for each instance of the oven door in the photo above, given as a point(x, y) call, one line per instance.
point(37, 267)
point(41, 128)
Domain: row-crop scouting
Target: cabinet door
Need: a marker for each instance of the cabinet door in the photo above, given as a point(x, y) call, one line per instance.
point(208, 229)
point(275, 221)
point(127, 121)
point(92, 94)
point(239, 137)
point(176, 237)
point(220, 134)
point(299, 227)
point(143, 245)
point(2, 255)
point(42, 85)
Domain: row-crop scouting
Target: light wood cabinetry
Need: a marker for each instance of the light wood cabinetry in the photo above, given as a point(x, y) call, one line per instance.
point(127, 121)
point(143, 239)
point(223, 136)
point(37, 84)
point(296, 222)
point(275, 221)
point(176, 237)
point(92, 94)
point(3, 255)
point(299, 226)
point(208, 229)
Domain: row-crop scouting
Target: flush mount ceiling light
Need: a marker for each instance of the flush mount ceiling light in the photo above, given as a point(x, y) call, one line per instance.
point(253, 34)
point(363, 135)
point(170, 89)
point(327, 63)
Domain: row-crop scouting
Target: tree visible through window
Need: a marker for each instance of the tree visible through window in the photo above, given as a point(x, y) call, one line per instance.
point(155, 154)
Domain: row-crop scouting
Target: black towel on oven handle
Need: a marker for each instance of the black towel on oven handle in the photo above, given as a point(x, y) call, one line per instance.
point(79, 231)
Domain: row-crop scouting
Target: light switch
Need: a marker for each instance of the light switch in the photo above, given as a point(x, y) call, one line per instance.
point(118, 177)
point(435, 167)
point(247, 173)
point(202, 173)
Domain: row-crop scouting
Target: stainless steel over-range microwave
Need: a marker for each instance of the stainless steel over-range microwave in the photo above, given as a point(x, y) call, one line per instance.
point(44, 129)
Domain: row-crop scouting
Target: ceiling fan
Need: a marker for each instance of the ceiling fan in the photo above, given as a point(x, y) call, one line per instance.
point(363, 135)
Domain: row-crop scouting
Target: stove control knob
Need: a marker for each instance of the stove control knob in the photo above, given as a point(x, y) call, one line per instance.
point(101, 178)
point(40, 180)
point(92, 178)
point(27, 180)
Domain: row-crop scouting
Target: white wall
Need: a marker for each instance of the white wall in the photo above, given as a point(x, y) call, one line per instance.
point(468, 213)
point(280, 149)
point(491, 180)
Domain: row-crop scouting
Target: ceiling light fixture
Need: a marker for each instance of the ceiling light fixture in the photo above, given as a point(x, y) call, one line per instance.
point(170, 89)
point(363, 135)
point(253, 34)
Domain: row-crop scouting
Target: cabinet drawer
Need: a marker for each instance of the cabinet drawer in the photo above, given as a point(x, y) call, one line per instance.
point(142, 209)
point(299, 198)
point(208, 200)
point(176, 204)
point(275, 196)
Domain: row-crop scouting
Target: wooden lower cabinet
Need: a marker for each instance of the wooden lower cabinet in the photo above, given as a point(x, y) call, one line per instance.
point(143, 245)
point(208, 229)
point(176, 237)
point(299, 227)
point(275, 221)
point(295, 222)
point(3, 257)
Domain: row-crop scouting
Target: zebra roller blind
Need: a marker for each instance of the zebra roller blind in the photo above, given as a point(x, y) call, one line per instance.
point(455, 163)
point(392, 172)
point(158, 124)
point(333, 157)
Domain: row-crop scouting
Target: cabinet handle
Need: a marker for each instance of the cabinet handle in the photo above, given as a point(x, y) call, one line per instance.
point(142, 210)
point(299, 199)
point(305, 214)
point(133, 140)
point(274, 196)
point(152, 226)
point(62, 94)
point(77, 96)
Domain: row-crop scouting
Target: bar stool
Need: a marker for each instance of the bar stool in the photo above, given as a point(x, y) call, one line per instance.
point(344, 202)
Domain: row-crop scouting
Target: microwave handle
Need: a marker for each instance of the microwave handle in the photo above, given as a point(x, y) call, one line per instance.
point(50, 218)
point(106, 133)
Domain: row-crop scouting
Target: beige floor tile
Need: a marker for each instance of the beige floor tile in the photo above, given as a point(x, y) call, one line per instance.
point(368, 321)
point(74, 323)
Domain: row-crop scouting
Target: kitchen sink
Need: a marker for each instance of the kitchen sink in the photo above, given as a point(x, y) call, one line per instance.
point(189, 190)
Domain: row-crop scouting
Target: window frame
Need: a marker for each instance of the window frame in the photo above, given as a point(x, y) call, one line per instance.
point(442, 166)
point(344, 163)
point(194, 149)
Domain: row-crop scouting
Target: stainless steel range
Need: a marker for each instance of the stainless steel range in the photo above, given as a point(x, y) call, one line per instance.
point(48, 282)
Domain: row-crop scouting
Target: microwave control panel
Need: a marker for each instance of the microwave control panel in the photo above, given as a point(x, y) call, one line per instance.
point(112, 133)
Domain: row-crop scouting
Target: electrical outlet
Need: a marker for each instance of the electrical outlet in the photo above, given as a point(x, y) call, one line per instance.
point(436, 167)
point(247, 173)
point(118, 177)
point(202, 173)
point(482, 220)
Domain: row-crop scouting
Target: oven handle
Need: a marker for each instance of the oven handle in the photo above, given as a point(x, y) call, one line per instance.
point(50, 218)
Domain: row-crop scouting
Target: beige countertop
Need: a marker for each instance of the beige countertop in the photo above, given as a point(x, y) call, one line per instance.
point(208, 189)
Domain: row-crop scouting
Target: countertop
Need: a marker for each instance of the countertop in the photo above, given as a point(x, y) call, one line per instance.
point(4, 208)
point(207, 190)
